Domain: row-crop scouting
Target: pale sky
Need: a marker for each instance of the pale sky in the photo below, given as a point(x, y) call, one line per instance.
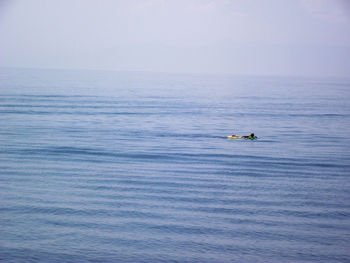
point(255, 37)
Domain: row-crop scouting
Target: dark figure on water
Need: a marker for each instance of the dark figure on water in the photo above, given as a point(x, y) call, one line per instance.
point(251, 136)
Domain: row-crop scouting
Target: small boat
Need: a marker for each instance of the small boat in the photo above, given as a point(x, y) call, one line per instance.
point(234, 137)
point(250, 137)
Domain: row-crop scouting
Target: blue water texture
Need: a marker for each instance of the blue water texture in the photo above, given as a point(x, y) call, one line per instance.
point(99, 166)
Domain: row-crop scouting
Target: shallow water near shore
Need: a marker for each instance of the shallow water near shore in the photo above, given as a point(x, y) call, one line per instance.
point(135, 167)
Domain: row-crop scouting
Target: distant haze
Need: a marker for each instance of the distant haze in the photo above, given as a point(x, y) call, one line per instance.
point(257, 37)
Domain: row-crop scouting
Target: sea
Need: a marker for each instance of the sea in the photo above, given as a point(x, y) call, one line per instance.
point(103, 166)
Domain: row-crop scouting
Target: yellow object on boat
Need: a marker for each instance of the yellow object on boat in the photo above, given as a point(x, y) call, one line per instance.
point(234, 137)
point(242, 137)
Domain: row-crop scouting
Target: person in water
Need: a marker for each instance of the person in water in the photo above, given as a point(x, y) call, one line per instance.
point(251, 136)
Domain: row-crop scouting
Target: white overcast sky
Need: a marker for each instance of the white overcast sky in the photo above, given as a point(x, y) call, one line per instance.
point(257, 37)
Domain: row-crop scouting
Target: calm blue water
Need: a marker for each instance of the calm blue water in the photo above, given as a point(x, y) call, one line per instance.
point(136, 167)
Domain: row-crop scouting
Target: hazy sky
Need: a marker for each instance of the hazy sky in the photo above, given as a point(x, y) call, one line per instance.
point(274, 37)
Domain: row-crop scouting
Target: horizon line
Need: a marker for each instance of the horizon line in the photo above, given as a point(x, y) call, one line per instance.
point(227, 74)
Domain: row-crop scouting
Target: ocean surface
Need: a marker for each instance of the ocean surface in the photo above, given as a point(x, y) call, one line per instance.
point(135, 167)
